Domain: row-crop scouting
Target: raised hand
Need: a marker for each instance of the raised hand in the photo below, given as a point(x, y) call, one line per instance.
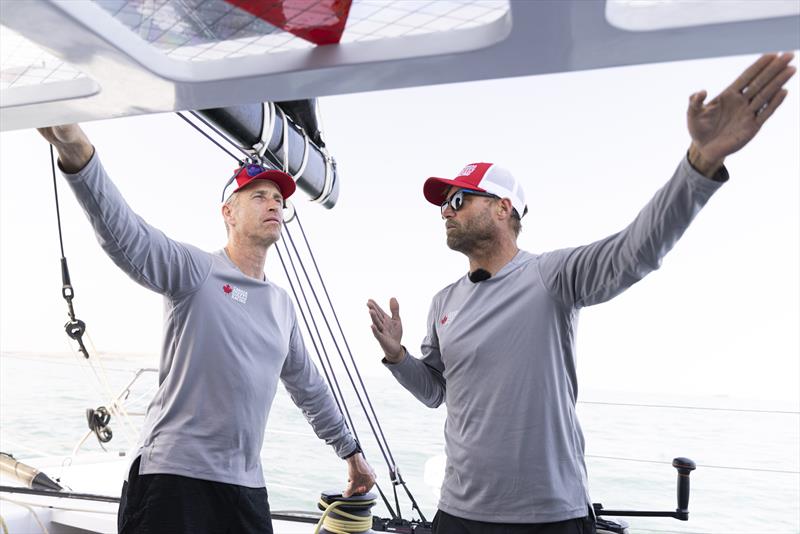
point(729, 121)
point(388, 330)
point(74, 148)
point(360, 476)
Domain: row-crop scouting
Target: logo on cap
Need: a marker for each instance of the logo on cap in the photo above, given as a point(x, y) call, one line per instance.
point(469, 169)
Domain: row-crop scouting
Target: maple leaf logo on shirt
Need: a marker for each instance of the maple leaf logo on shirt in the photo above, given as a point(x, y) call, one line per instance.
point(227, 288)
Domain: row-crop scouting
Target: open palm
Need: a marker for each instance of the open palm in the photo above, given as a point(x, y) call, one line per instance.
point(729, 121)
point(387, 329)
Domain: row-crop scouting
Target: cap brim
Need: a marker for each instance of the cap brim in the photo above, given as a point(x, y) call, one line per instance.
point(435, 188)
point(284, 182)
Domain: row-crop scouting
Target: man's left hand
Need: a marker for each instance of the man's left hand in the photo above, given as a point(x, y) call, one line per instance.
point(729, 121)
point(360, 476)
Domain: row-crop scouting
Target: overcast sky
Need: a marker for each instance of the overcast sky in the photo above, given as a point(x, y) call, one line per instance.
point(720, 316)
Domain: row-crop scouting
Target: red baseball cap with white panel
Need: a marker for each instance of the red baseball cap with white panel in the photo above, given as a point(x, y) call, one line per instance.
point(484, 177)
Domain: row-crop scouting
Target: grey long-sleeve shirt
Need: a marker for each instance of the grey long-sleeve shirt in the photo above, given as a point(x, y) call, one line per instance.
point(227, 340)
point(501, 354)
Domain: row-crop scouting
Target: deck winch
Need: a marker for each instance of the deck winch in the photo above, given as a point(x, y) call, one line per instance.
point(345, 515)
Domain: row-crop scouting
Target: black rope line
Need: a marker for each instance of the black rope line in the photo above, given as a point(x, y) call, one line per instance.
point(55, 192)
point(344, 338)
point(331, 381)
point(193, 125)
point(219, 133)
point(394, 472)
point(321, 344)
point(308, 328)
point(336, 345)
point(75, 328)
point(331, 378)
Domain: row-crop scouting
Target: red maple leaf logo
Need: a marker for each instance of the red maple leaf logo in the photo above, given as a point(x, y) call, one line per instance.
point(443, 320)
point(227, 288)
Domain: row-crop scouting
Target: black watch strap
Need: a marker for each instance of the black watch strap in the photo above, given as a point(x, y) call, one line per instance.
point(355, 451)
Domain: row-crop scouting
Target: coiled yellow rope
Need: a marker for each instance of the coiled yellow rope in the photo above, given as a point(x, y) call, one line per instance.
point(351, 524)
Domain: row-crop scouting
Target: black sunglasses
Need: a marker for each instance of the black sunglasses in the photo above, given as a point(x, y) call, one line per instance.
point(456, 201)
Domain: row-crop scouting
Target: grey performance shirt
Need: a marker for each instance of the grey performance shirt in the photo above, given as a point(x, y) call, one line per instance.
point(227, 340)
point(501, 354)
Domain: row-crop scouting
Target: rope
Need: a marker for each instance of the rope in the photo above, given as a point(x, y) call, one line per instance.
point(30, 509)
point(76, 329)
point(350, 524)
point(382, 442)
point(329, 377)
point(314, 294)
point(30, 506)
point(756, 469)
point(707, 408)
point(98, 423)
point(193, 125)
point(331, 381)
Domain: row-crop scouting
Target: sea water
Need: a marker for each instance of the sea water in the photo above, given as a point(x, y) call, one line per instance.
point(748, 452)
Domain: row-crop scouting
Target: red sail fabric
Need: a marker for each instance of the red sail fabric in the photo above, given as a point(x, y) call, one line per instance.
point(318, 21)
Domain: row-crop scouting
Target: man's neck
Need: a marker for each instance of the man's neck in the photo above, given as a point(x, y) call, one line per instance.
point(249, 259)
point(493, 259)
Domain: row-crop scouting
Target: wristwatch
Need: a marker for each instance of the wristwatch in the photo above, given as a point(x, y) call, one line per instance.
point(355, 451)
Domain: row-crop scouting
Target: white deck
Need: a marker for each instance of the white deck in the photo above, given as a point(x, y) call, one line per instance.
point(99, 474)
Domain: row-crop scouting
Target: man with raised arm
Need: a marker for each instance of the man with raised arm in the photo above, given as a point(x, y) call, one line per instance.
point(500, 344)
point(230, 334)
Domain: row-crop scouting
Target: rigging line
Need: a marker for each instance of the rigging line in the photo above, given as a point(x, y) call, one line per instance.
point(385, 500)
point(391, 464)
point(193, 125)
point(747, 410)
point(29, 507)
point(319, 335)
point(344, 338)
point(76, 328)
point(219, 133)
point(49, 361)
point(55, 191)
point(332, 380)
point(313, 340)
point(321, 344)
point(395, 473)
point(112, 399)
point(322, 363)
point(106, 394)
point(756, 469)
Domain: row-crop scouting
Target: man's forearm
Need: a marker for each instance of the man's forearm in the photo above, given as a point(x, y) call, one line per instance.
point(705, 166)
point(73, 146)
point(74, 157)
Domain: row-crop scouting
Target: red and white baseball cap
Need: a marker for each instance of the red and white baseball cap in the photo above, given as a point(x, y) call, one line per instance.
point(246, 174)
point(484, 177)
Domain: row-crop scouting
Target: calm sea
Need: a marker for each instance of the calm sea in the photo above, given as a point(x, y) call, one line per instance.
point(748, 452)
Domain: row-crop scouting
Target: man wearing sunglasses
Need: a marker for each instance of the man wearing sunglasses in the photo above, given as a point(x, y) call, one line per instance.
point(230, 334)
point(500, 345)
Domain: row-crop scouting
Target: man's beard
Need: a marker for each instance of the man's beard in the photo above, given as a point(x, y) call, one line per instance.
point(472, 235)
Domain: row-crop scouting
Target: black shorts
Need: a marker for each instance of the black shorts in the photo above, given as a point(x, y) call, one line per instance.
point(445, 523)
point(173, 504)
